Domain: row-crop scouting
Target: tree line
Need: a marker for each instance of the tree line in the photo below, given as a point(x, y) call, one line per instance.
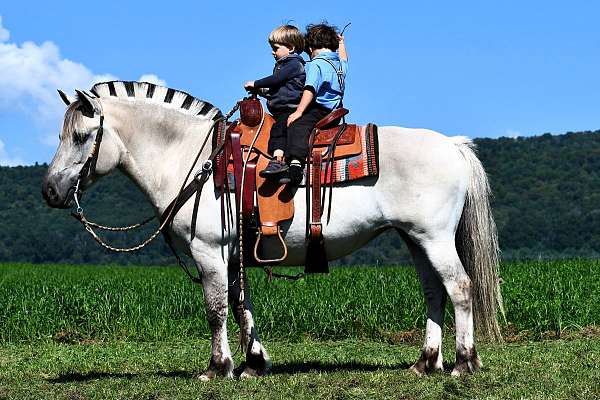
point(546, 201)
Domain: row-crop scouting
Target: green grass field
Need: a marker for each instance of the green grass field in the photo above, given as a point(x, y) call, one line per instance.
point(42, 302)
point(87, 332)
point(348, 369)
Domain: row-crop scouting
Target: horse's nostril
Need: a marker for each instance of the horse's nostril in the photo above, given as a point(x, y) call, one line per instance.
point(54, 198)
point(49, 192)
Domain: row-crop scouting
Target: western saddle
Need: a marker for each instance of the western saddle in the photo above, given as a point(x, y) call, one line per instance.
point(265, 203)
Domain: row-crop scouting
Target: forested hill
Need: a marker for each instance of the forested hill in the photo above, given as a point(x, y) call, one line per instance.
point(546, 202)
point(546, 193)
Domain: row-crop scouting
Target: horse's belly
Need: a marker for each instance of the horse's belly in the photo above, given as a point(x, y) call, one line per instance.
point(354, 220)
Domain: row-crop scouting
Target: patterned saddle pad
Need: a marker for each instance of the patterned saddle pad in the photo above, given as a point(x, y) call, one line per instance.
point(347, 168)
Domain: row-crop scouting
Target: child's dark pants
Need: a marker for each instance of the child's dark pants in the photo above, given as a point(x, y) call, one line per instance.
point(278, 136)
point(293, 139)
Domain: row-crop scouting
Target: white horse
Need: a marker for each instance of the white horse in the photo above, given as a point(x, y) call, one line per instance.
point(431, 189)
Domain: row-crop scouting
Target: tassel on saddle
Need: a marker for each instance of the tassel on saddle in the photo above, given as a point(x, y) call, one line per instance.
point(316, 258)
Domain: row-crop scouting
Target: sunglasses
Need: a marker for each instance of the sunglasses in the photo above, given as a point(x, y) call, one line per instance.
point(276, 46)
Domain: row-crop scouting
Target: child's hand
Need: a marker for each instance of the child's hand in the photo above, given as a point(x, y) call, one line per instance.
point(293, 117)
point(249, 85)
point(341, 38)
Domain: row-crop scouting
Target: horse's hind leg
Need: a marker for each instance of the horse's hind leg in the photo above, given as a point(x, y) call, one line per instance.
point(444, 259)
point(257, 360)
point(435, 296)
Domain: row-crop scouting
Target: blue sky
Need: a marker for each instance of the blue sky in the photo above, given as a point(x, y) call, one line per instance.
point(481, 69)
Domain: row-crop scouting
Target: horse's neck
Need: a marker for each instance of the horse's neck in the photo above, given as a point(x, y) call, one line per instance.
point(161, 145)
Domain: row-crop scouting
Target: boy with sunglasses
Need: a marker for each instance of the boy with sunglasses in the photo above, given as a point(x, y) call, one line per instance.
point(283, 90)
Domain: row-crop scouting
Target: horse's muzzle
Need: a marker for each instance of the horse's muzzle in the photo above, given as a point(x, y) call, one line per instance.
point(52, 195)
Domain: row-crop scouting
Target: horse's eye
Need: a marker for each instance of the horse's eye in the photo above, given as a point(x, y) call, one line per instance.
point(79, 137)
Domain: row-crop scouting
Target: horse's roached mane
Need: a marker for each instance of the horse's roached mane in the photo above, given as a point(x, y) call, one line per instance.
point(157, 94)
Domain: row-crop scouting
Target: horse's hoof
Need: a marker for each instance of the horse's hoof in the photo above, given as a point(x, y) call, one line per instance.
point(429, 362)
point(421, 370)
point(467, 362)
point(215, 369)
point(249, 373)
point(469, 367)
point(246, 372)
point(417, 371)
point(204, 377)
point(257, 362)
point(210, 375)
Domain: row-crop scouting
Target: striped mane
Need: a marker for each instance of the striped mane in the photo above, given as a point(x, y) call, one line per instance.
point(156, 94)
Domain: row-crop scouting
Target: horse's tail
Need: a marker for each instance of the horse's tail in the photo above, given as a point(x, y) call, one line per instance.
point(477, 244)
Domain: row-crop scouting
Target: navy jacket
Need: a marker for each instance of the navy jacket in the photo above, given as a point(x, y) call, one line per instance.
point(286, 84)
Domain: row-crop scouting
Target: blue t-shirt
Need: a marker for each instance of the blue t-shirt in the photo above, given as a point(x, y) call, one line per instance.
point(322, 79)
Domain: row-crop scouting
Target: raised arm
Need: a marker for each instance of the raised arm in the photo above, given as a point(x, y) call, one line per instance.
point(342, 48)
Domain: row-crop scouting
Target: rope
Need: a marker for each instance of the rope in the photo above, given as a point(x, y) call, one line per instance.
point(241, 217)
point(90, 225)
point(120, 228)
point(232, 111)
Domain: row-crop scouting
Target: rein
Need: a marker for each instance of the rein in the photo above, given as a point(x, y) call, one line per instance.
point(185, 192)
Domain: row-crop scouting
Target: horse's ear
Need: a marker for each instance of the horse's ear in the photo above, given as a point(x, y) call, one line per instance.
point(64, 97)
point(89, 104)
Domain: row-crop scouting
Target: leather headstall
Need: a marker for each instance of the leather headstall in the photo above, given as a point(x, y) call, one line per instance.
point(89, 166)
point(186, 191)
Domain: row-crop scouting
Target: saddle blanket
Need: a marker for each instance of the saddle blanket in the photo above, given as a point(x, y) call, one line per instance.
point(352, 168)
point(355, 167)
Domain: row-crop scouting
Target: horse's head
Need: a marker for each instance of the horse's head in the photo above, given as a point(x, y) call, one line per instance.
point(78, 138)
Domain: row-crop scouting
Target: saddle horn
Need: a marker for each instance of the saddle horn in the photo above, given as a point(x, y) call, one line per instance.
point(251, 111)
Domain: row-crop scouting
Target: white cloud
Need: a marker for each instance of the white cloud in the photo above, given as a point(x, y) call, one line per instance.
point(151, 78)
point(6, 160)
point(31, 73)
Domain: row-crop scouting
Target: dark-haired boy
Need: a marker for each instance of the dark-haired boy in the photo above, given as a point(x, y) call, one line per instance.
point(323, 92)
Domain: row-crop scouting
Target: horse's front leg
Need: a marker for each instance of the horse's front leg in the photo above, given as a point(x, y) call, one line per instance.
point(214, 283)
point(257, 362)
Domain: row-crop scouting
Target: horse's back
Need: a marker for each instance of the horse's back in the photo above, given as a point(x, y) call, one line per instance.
point(420, 152)
point(423, 177)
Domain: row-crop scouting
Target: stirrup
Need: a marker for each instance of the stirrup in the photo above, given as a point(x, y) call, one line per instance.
point(274, 260)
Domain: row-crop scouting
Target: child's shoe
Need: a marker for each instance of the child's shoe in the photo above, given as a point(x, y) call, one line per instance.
point(294, 175)
point(275, 167)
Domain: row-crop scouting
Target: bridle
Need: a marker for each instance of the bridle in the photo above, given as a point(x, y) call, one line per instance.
point(186, 191)
point(89, 166)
